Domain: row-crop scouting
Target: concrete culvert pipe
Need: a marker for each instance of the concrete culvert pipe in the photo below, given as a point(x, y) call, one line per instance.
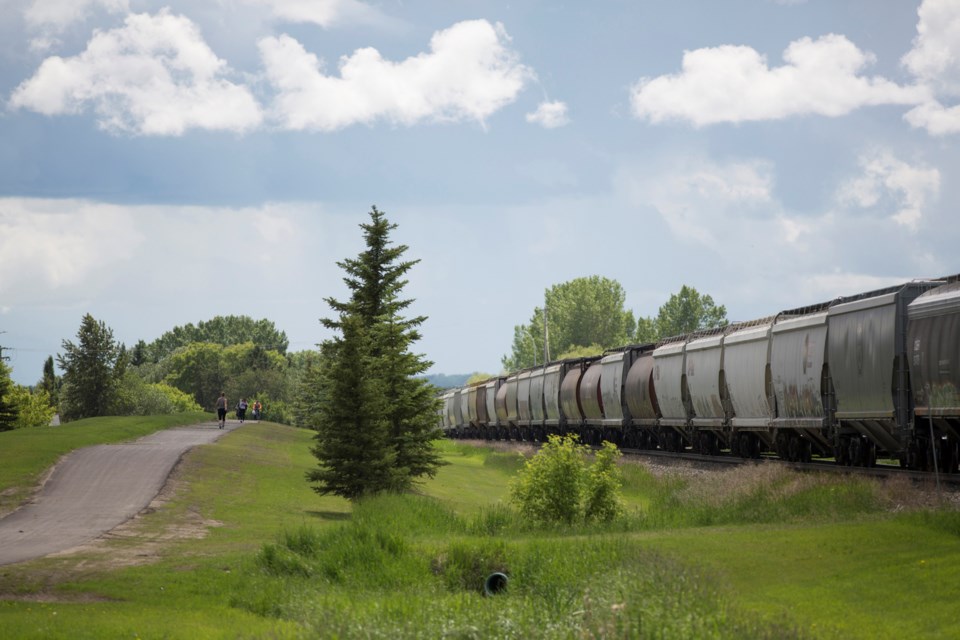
point(495, 583)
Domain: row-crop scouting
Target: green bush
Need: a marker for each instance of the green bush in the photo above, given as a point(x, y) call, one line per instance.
point(135, 397)
point(556, 485)
point(604, 501)
point(33, 408)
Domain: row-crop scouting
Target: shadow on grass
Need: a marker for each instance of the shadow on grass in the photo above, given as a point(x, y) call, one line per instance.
point(329, 515)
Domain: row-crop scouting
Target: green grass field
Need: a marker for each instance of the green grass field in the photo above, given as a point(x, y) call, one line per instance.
point(243, 548)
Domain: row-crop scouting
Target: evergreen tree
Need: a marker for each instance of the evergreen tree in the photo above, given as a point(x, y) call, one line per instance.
point(351, 443)
point(386, 407)
point(8, 404)
point(51, 382)
point(89, 370)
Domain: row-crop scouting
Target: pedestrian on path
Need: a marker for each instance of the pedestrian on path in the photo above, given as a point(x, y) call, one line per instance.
point(222, 409)
point(242, 409)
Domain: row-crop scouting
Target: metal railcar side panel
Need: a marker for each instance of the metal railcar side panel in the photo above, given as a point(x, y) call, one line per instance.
point(471, 397)
point(590, 399)
point(638, 388)
point(797, 357)
point(704, 367)
point(492, 418)
point(449, 415)
point(512, 385)
point(481, 405)
point(537, 408)
point(551, 393)
point(523, 397)
point(460, 402)
point(501, 403)
point(746, 365)
point(669, 383)
point(614, 371)
point(570, 394)
point(862, 353)
point(933, 343)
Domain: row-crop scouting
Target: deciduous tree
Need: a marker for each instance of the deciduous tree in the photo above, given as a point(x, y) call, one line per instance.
point(685, 312)
point(580, 313)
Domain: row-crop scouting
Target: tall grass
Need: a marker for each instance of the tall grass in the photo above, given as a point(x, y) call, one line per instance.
point(387, 575)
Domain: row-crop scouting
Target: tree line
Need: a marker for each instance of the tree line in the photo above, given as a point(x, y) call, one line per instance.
point(185, 369)
point(587, 315)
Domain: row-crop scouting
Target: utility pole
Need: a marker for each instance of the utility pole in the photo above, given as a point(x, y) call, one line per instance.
point(546, 335)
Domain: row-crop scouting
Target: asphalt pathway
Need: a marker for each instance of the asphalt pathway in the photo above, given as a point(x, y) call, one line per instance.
point(92, 490)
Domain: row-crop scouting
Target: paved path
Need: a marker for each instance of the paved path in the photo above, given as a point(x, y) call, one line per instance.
point(95, 489)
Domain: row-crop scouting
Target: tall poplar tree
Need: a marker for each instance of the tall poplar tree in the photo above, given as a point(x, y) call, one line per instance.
point(377, 419)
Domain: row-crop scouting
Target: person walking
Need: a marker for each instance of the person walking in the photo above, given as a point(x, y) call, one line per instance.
point(242, 409)
point(257, 408)
point(222, 409)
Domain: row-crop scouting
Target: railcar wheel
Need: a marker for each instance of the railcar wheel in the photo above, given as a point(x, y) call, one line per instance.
point(793, 448)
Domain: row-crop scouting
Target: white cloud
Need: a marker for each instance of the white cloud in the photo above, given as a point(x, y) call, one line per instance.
point(153, 76)
point(325, 13)
point(696, 198)
point(47, 19)
point(892, 186)
point(469, 74)
point(935, 118)
point(550, 115)
point(935, 57)
point(935, 60)
point(58, 14)
point(55, 246)
point(735, 84)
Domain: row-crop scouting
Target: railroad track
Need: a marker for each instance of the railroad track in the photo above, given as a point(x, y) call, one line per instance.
point(727, 460)
point(823, 466)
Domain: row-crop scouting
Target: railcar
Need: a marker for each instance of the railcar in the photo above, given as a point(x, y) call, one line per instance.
point(857, 378)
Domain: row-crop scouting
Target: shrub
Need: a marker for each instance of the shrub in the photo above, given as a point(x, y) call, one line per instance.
point(557, 486)
point(604, 480)
point(33, 408)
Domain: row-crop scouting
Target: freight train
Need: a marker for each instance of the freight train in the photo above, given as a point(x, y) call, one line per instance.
point(874, 375)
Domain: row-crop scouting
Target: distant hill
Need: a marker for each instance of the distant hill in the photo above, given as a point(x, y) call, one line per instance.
point(447, 381)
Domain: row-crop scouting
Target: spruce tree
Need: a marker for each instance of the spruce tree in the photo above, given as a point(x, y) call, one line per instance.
point(8, 407)
point(89, 370)
point(396, 409)
point(351, 443)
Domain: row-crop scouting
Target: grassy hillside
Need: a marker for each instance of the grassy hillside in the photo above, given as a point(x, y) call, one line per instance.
point(242, 547)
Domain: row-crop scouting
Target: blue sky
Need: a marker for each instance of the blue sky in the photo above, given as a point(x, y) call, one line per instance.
point(165, 162)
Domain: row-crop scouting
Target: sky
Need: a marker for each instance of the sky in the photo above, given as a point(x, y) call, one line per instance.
point(162, 163)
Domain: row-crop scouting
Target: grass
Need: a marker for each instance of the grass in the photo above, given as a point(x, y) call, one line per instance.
point(28, 453)
point(752, 553)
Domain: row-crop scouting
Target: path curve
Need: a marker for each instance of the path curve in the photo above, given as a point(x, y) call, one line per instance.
point(94, 489)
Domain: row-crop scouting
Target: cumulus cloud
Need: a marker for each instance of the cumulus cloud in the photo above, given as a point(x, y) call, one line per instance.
point(153, 76)
point(724, 221)
point(58, 14)
point(325, 13)
point(696, 197)
point(50, 18)
point(54, 246)
point(892, 186)
point(935, 60)
point(468, 74)
point(550, 115)
point(935, 56)
point(735, 84)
